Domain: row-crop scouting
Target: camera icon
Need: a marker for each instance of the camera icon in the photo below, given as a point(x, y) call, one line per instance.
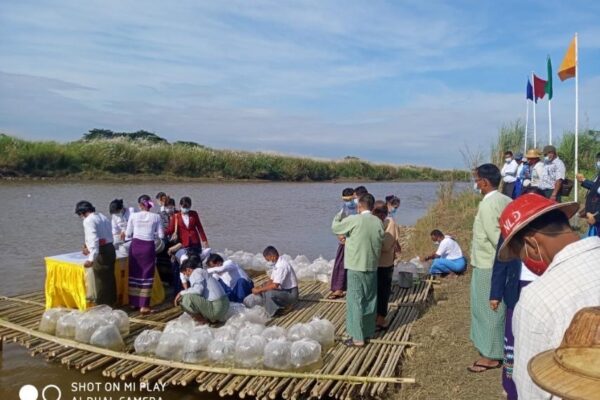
point(30, 392)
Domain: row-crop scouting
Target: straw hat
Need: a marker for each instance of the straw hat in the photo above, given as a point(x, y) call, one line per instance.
point(522, 211)
point(572, 371)
point(533, 153)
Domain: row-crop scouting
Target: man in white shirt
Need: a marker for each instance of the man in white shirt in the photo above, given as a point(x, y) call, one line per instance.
point(536, 168)
point(231, 276)
point(537, 230)
point(509, 174)
point(281, 291)
point(553, 175)
point(448, 258)
point(205, 300)
point(100, 252)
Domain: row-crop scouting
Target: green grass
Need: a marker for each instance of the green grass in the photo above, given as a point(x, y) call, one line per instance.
point(103, 158)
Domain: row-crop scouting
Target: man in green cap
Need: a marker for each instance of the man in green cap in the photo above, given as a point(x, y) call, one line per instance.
point(553, 174)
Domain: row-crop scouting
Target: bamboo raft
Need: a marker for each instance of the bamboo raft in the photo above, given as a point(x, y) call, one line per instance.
point(346, 373)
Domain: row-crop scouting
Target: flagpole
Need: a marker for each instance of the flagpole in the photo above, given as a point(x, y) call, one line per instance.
point(576, 114)
point(549, 121)
point(534, 122)
point(526, 123)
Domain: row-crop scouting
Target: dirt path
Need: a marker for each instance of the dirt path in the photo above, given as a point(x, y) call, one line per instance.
point(439, 363)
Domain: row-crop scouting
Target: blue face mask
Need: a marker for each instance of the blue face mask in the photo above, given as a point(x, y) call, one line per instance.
point(185, 210)
point(355, 201)
point(393, 211)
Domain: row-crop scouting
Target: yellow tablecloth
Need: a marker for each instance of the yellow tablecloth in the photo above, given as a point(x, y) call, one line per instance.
point(69, 283)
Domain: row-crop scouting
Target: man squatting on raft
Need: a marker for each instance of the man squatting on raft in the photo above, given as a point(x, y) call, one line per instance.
point(205, 300)
point(281, 291)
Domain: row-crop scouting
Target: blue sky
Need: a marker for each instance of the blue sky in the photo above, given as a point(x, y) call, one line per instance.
point(399, 82)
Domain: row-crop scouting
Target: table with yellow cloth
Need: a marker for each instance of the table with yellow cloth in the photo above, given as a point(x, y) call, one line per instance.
point(69, 284)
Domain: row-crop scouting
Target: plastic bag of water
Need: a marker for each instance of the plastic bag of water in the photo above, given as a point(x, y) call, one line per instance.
point(249, 351)
point(195, 349)
point(324, 331)
point(277, 354)
point(87, 325)
point(120, 319)
point(108, 337)
point(147, 341)
point(305, 352)
point(301, 331)
point(66, 324)
point(50, 318)
point(170, 345)
point(273, 333)
point(221, 351)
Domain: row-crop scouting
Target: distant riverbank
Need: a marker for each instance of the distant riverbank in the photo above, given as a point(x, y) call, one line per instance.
point(125, 159)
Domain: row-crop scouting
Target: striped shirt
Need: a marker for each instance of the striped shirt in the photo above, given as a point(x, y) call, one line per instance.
point(547, 306)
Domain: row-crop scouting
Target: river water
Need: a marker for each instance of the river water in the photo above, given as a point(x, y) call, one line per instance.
point(37, 220)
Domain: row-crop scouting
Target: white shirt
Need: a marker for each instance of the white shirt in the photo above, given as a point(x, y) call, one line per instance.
point(449, 249)
point(119, 223)
point(509, 171)
point(97, 230)
point(229, 273)
point(144, 225)
point(536, 173)
point(186, 219)
point(547, 306)
point(552, 172)
point(526, 274)
point(202, 283)
point(283, 274)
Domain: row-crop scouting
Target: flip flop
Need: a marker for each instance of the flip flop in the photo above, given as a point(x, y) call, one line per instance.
point(485, 367)
point(350, 343)
point(333, 296)
point(148, 312)
point(381, 328)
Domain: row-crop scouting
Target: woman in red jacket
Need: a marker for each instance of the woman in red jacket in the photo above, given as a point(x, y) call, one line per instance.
point(186, 224)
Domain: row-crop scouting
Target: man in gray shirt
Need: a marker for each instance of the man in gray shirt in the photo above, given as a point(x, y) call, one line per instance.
point(553, 174)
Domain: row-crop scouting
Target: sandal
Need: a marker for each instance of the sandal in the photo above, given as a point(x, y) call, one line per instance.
point(473, 368)
point(333, 296)
point(148, 312)
point(350, 343)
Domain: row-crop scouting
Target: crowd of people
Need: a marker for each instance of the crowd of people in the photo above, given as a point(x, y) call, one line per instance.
point(531, 271)
point(203, 283)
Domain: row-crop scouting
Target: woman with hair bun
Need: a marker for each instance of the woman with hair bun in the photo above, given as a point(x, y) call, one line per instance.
point(143, 227)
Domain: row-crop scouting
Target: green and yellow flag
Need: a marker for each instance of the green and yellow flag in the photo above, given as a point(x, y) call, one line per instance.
point(548, 87)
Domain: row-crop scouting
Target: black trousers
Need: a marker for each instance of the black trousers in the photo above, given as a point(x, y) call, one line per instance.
point(384, 289)
point(508, 188)
point(104, 275)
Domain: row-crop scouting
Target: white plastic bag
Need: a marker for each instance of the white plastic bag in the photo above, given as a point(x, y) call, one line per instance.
point(184, 323)
point(221, 351)
point(226, 332)
point(66, 324)
point(87, 325)
point(324, 331)
point(257, 314)
point(147, 341)
point(108, 337)
point(249, 351)
point(301, 331)
point(234, 309)
point(120, 319)
point(250, 329)
point(277, 354)
point(305, 352)
point(195, 348)
point(170, 345)
point(273, 333)
point(50, 318)
point(101, 309)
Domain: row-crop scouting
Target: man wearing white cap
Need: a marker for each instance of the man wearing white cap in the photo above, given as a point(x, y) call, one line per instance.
point(537, 230)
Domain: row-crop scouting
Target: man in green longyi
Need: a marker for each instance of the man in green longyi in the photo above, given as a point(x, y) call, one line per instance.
point(364, 235)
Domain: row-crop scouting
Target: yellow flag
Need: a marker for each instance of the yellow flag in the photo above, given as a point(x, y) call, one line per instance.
point(568, 67)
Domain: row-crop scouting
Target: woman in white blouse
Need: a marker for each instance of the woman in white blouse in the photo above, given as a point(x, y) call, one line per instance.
point(143, 228)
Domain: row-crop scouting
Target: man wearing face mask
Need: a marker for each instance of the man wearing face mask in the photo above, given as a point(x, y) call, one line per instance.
point(537, 231)
point(187, 227)
point(509, 174)
point(487, 326)
point(591, 211)
point(553, 174)
point(338, 276)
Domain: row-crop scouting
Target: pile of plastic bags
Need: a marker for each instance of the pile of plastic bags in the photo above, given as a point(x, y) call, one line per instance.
point(99, 326)
point(317, 270)
point(244, 341)
point(406, 273)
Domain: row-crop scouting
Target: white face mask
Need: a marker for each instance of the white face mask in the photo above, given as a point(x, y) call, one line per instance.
point(270, 264)
point(185, 210)
point(508, 160)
